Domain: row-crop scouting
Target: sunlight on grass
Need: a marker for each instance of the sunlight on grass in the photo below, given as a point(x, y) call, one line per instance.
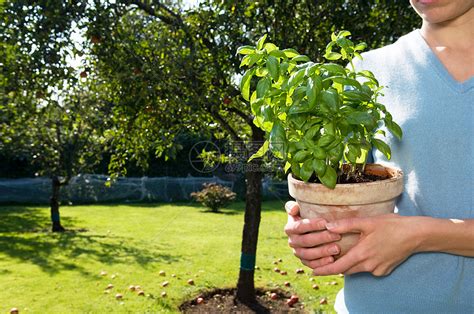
point(43, 272)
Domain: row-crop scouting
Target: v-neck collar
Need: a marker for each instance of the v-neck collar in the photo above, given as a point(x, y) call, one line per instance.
point(460, 87)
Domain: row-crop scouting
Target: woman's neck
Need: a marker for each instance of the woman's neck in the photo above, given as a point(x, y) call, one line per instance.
point(457, 33)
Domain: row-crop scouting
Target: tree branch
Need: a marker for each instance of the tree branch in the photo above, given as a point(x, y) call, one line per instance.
point(247, 118)
point(225, 125)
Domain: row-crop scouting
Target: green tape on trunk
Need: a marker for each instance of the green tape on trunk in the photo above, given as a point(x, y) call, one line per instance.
point(55, 217)
point(247, 261)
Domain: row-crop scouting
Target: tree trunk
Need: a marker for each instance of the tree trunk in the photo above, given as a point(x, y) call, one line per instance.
point(253, 207)
point(54, 203)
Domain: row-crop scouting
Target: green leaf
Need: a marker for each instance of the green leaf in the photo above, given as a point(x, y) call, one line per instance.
point(312, 91)
point(346, 81)
point(273, 67)
point(245, 83)
point(296, 78)
point(261, 41)
point(246, 50)
point(394, 128)
point(306, 170)
point(263, 86)
point(360, 46)
point(269, 47)
point(325, 140)
point(245, 61)
point(295, 169)
point(277, 54)
point(329, 178)
point(278, 140)
point(290, 53)
point(334, 69)
point(382, 147)
point(331, 99)
point(332, 56)
point(301, 155)
point(319, 153)
point(359, 117)
point(300, 58)
point(287, 166)
point(254, 59)
point(319, 166)
point(261, 151)
point(344, 33)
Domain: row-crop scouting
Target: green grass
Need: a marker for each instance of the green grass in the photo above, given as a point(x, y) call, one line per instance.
point(42, 272)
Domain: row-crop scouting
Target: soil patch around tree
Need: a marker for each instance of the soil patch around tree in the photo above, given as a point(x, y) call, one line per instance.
point(223, 301)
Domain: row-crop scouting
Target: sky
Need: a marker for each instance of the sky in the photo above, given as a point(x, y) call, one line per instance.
point(190, 3)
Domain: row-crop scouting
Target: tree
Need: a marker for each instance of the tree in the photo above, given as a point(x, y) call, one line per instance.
point(166, 70)
point(48, 114)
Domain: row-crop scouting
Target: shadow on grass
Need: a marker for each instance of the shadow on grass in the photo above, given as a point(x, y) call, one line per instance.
point(232, 209)
point(22, 239)
point(220, 212)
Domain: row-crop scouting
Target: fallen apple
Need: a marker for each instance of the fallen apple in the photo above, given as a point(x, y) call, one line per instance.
point(118, 296)
point(199, 300)
point(287, 284)
point(162, 273)
point(276, 270)
point(280, 260)
point(323, 301)
point(173, 275)
point(137, 288)
point(14, 311)
point(291, 302)
point(274, 296)
point(132, 288)
point(300, 271)
point(191, 282)
point(141, 292)
point(109, 286)
point(284, 273)
point(163, 294)
point(103, 273)
point(165, 283)
point(333, 283)
point(83, 74)
point(315, 287)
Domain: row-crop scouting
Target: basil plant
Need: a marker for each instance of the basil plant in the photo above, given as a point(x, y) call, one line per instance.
point(317, 116)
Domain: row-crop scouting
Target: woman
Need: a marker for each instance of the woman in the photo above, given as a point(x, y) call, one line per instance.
point(420, 259)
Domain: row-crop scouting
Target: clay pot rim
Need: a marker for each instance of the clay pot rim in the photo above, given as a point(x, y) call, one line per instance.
point(398, 174)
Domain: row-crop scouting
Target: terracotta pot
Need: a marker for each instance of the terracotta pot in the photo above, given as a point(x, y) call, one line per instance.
point(349, 200)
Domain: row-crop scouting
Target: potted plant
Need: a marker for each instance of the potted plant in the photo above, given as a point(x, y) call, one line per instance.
point(323, 119)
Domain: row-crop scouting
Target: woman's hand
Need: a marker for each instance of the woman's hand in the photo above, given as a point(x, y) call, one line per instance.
point(310, 240)
point(385, 242)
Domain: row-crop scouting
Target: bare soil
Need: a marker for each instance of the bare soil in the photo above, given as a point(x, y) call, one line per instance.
point(223, 301)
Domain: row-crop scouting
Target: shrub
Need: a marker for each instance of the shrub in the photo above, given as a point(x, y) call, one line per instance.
point(214, 196)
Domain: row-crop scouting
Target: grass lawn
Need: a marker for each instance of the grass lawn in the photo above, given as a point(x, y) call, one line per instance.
point(42, 272)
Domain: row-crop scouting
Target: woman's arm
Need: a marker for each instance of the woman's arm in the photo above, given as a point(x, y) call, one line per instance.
point(387, 240)
point(453, 236)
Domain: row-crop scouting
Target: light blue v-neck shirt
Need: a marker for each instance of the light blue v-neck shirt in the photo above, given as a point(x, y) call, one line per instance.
point(437, 156)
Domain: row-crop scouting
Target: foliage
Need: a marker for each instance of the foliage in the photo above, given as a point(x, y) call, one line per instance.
point(214, 196)
point(317, 116)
